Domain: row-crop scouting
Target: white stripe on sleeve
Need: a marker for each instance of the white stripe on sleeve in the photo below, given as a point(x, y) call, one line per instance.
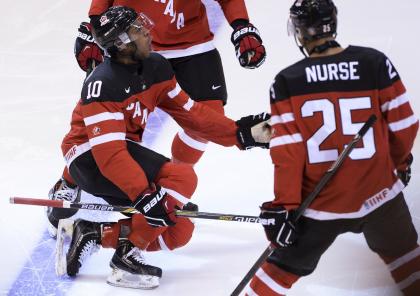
point(103, 117)
point(283, 118)
point(107, 138)
point(284, 140)
point(395, 103)
point(403, 123)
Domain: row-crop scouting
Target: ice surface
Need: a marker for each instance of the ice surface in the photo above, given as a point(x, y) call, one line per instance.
point(40, 83)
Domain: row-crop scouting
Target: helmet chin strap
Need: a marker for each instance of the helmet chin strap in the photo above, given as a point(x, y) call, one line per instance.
point(301, 47)
point(317, 49)
point(323, 47)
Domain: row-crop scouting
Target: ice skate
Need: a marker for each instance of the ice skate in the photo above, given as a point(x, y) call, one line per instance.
point(86, 239)
point(130, 269)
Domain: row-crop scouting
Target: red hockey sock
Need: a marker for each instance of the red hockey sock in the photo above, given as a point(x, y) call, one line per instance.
point(270, 280)
point(187, 147)
point(406, 271)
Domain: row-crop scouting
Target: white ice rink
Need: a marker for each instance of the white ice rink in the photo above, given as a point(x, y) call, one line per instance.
point(40, 83)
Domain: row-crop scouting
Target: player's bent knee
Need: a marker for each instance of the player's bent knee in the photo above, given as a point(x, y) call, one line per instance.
point(179, 235)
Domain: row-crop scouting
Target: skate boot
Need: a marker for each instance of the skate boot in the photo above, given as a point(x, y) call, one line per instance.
point(61, 191)
point(86, 239)
point(130, 270)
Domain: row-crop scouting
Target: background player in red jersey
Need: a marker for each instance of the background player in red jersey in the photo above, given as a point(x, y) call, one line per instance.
point(318, 104)
point(182, 35)
point(104, 157)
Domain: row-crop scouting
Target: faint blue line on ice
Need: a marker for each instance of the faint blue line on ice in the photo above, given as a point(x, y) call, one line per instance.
point(37, 277)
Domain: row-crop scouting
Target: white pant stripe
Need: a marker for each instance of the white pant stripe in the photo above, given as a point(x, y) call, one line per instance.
point(195, 49)
point(365, 208)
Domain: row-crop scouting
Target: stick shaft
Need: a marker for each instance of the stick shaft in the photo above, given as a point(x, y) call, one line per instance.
point(123, 209)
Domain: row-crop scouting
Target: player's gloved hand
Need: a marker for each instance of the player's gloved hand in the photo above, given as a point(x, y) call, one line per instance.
point(254, 131)
point(278, 225)
point(157, 206)
point(248, 44)
point(405, 174)
point(86, 50)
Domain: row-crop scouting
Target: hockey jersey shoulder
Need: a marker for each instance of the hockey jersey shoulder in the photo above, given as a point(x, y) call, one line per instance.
point(355, 68)
point(107, 82)
point(157, 68)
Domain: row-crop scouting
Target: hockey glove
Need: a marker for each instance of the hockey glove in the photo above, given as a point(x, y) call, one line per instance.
point(157, 206)
point(278, 225)
point(405, 174)
point(248, 45)
point(87, 52)
point(254, 131)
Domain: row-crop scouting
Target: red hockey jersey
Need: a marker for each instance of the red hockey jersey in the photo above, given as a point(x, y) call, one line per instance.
point(114, 106)
point(181, 26)
point(318, 105)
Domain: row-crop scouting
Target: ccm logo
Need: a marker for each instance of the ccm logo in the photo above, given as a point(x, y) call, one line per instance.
point(154, 201)
point(85, 37)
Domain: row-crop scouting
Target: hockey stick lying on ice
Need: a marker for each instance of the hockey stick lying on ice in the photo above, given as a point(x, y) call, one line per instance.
point(299, 211)
point(185, 212)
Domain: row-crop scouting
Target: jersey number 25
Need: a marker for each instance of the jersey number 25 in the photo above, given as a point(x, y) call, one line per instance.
point(346, 105)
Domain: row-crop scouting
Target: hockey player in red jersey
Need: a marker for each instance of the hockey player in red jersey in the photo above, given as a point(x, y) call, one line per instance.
point(182, 35)
point(104, 157)
point(318, 104)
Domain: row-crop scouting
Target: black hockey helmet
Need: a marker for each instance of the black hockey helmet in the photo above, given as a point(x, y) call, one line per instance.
point(110, 28)
point(313, 19)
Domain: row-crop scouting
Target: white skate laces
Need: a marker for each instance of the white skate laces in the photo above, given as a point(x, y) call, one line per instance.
point(88, 249)
point(65, 192)
point(137, 254)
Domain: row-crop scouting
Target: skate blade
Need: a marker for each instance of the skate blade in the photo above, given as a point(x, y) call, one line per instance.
point(64, 230)
point(120, 278)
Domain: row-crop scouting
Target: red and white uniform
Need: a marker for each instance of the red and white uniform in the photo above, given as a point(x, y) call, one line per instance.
point(115, 104)
point(181, 26)
point(317, 106)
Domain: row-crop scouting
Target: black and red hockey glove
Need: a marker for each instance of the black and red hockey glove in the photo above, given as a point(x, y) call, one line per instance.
point(405, 174)
point(87, 52)
point(248, 45)
point(157, 206)
point(278, 225)
point(254, 131)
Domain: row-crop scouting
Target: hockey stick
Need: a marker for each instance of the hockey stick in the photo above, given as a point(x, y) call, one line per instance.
point(129, 210)
point(304, 205)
